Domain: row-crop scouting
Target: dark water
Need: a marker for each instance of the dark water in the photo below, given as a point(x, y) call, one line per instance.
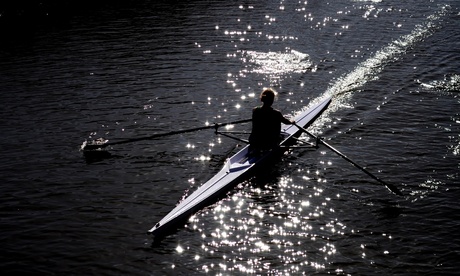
point(130, 69)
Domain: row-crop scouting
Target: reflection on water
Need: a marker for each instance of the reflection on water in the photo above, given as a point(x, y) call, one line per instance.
point(280, 222)
point(275, 63)
point(274, 66)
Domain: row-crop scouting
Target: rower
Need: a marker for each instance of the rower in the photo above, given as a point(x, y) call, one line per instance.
point(266, 124)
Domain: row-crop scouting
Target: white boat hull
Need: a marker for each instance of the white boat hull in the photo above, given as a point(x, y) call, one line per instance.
point(236, 169)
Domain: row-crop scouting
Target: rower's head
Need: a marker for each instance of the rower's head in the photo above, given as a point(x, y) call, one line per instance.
point(268, 96)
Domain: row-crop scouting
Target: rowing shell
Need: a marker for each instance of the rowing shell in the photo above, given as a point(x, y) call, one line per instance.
point(236, 169)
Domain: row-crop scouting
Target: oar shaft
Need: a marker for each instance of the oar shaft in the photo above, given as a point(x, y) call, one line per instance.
point(232, 137)
point(158, 135)
point(351, 161)
point(389, 186)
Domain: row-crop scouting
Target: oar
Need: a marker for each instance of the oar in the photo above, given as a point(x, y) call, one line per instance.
point(226, 134)
point(88, 146)
point(390, 187)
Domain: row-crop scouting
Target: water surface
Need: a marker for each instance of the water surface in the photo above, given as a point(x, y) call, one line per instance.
point(126, 70)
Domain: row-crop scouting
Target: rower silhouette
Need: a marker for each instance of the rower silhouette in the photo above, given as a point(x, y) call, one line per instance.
point(266, 124)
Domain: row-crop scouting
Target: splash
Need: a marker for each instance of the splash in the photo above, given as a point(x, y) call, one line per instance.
point(426, 188)
point(451, 83)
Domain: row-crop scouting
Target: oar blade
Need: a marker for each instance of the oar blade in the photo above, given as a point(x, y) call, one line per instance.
point(393, 189)
point(93, 144)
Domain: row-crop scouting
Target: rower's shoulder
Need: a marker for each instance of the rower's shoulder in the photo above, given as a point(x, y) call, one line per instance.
point(257, 109)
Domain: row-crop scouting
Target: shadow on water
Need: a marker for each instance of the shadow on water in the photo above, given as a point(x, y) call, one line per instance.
point(386, 208)
point(388, 212)
point(94, 156)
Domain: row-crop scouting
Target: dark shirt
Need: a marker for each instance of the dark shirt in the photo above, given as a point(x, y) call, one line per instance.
point(266, 127)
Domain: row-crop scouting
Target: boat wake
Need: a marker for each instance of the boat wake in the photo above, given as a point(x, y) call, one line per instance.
point(369, 69)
